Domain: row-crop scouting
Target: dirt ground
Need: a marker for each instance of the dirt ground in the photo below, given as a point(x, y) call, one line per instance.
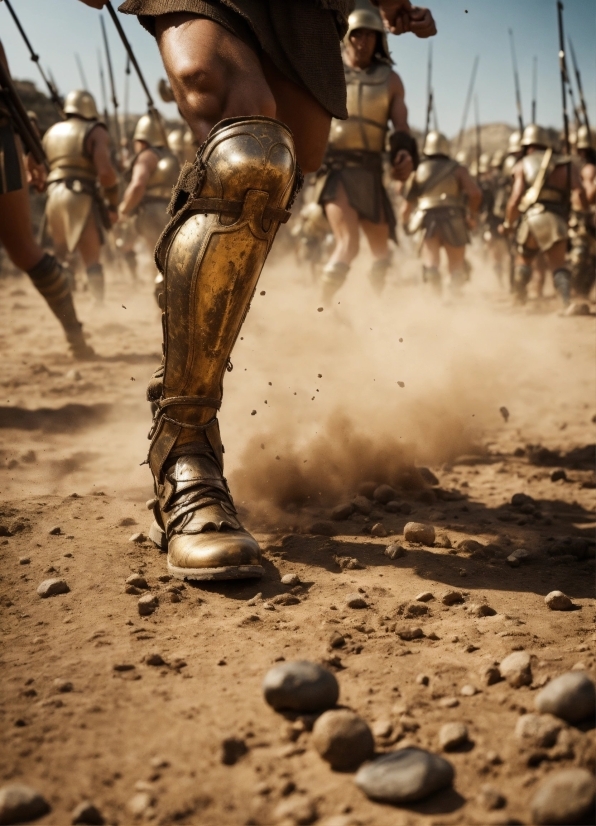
point(144, 742)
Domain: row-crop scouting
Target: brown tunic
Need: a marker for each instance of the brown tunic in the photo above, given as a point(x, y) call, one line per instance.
point(302, 37)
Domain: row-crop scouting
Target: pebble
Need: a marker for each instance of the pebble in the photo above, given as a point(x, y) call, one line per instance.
point(337, 640)
point(490, 675)
point(63, 686)
point(322, 528)
point(490, 798)
point(452, 598)
point(343, 739)
point(422, 679)
point(20, 803)
point(154, 659)
point(538, 730)
point(452, 736)
point(290, 579)
point(410, 634)
point(296, 809)
point(521, 556)
point(419, 532)
point(232, 749)
point(55, 531)
point(137, 581)
point(147, 604)
point(378, 529)
point(300, 686)
point(481, 610)
point(572, 697)
point(384, 494)
point(356, 601)
point(88, 814)
point(558, 601)
point(517, 669)
point(139, 803)
point(564, 797)
point(394, 551)
point(130, 589)
point(519, 499)
point(448, 702)
point(557, 475)
point(362, 505)
point(425, 596)
point(468, 690)
point(405, 776)
point(137, 537)
point(24, 560)
point(382, 728)
point(342, 512)
point(52, 587)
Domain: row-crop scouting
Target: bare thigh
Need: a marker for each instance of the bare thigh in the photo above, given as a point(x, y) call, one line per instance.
point(89, 245)
point(377, 236)
point(455, 257)
point(431, 252)
point(345, 225)
point(556, 255)
point(16, 230)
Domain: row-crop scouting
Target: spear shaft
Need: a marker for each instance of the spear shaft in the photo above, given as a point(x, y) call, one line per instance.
point(468, 101)
point(112, 86)
point(518, 101)
point(580, 88)
point(81, 71)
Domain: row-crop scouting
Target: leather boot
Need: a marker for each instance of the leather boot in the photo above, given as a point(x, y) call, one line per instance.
point(226, 209)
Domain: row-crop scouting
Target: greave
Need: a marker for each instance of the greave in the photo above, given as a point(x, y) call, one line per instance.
point(521, 278)
point(562, 281)
point(96, 281)
point(432, 276)
point(333, 278)
point(378, 274)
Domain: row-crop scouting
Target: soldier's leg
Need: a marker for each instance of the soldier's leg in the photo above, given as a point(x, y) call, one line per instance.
point(90, 249)
point(377, 236)
point(345, 225)
point(557, 261)
point(431, 260)
point(48, 277)
point(229, 207)
point(457, 267)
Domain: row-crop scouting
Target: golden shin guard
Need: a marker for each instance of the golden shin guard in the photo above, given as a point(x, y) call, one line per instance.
point(227, 209)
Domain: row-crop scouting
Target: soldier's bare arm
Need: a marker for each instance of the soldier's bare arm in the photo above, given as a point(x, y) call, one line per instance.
point(517, 192)
point(398, 114)
point(400, 16)
point(588, 176)
point(470, 188)
point(142, 170)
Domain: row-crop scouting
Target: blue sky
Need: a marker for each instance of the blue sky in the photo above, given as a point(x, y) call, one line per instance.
point(59, 28)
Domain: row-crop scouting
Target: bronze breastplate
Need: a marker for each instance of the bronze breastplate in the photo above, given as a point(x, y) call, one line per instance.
point(368, 110)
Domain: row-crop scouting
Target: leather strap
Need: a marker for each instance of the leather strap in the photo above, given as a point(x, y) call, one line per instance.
point(190, 401)
point(235, 208)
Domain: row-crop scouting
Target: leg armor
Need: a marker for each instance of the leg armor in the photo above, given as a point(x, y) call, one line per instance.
point(562, 281)
point(334, 276)
point(96, 282)
point(52, 281)
point(227, 209)
point(432, 276)
point(522, 275)
point(378, 273)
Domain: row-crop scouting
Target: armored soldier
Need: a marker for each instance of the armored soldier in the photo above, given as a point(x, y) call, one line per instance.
point(16, 231)
point(182, 144)
point(581, 225)
point(154, 172)
point(78, 151)
point(351, 184)
point(495, 192)
point(437, 198)
point(542, 183)
point(259, 98)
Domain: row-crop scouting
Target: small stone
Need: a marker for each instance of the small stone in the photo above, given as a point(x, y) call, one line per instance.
point(481, 610)
point(410, 634)
point(52, 587)
point(290, 579)
point(87, 814)
point(490, 798)
point(394, 551)
point(452, 736)
point(349, 563)
point(137, 581)
point(384, 494)
point(154, 659)
point(519, 499)
point(139, 803)
point(300, 686)
point(422, 679)
point(405, 776)
point(343, 739)
point(452, 598)
point(468, 690)
point(415, 609)
point(538, 730)
point(147, 604)
point(490, 675)
point(517, 669)
point(138, 537)
point(232, 749)
point(55, 531)
point(382, 729)
point(337, 640)
point(394, 507)
point(296, 809)
point(322, 528)
point(558, 601)
point(564, 797)
point(63, 686)
point(448, 702)
point(356, 601)
point(379, 529)
point(342, 512)
point(419, 532)
point(572, 697)
point(362, 505)
point(521, 556)
point(557, 475)
point(24, 560)
point(130, 589)
point(425, 596)
point(20, 803)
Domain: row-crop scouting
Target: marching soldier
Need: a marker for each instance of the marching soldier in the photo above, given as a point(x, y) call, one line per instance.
point(543, 182)
point(435, 209)
point(495, 196)
point(351, 187)
point(78, 151)
point(16, 231)
point(582, 232)
point(154, 172)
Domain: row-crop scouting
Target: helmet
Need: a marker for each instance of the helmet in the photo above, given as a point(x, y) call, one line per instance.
point(176, 140)
point(583, 138)
point(81, 103)
point(436, 144)
point(484, 163)
point(462, 157)
point(535, 135)
point(514, 145)
point(370, 19)
point(150, 129)
point(165, 91)
point(496, 162)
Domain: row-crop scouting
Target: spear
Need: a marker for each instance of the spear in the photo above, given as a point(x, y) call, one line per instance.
point(112, 86)
point(564, 82)
point(55, 97)
point(518, 102)
point(429, 90)
point(534, 88)
point(468, 101)
point(478, 144)
point(81, 71)
point(580, 87)
point(102, 83)
point(126, 97)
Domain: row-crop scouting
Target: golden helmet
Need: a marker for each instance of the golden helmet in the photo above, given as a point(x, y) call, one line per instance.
point(369, 19)
point(484, 163)
point(176, 140)
point(436, 144)
point(583, 138)
point(81, 103)
point(514, 145)
point(496, 162)
point(535, 135)
point(150, 129)
point(462, 157)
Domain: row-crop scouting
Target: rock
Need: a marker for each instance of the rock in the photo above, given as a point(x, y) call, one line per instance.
point(147, 604)
point(572, 697)
point(398, 507)
point(481, 610)
point(452, 598)
point(343, 739)
point(382, 729)
point(425, 596)
point(564, 797)
point(323, 528)
point(394, 551)
point(232, 749)
point(410, 634)
point(557, 475)
point(88, 814)
point(379, 529)
point(538, 730)
point(52, 587)
point(448, 702)
point(137, 581)
point(130, 589)
point(55, 531)
point(337, 640)
point(300, 686)
point(290, 579)
point(349, 563)
point(20, 803)
point(362, 505)
point(490, 798)
point(414, 609)
point(24, 560)
point(517, 669)
point(452, 736)
point(405, 776)
point(138, 538)
point(384, 494)
point(470, 546)
point(63, 686)
point(558, 601)
point(521, 556)
point(297, 809)
point(154, 659)
point(519, 499)
point(356, 601)
point(342, 512)
point(490, 674)
point(468, 690)
point(422, 679)
point(139, 803)
point(419, 532)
